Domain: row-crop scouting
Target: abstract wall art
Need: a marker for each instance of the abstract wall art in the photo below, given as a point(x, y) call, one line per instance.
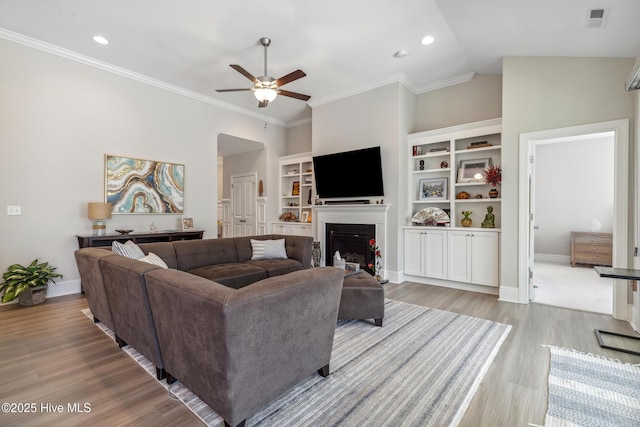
point(143, 186)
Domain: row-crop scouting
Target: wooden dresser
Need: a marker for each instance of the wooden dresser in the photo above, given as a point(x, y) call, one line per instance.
point(591, 248)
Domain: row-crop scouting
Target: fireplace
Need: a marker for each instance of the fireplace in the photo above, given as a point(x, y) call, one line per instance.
point(352, 241)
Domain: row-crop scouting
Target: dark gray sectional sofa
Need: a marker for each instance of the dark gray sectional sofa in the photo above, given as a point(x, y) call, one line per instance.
point(238, 332)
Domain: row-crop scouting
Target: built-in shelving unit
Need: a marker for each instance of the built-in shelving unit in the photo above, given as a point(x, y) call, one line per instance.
point(440, 154)
point(442, 172)
point(296, 195)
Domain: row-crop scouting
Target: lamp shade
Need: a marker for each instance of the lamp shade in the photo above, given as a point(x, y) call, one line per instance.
point(99, 211)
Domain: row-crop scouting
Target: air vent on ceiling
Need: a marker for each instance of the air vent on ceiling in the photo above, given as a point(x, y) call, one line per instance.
point(596, 18)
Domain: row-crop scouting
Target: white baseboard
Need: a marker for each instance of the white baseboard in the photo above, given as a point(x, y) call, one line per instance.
point(66, 287)
point(509, 294)
point(556, 259)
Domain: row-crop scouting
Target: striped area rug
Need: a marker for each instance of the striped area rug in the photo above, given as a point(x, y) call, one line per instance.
point(421, 368)
point(589, 390)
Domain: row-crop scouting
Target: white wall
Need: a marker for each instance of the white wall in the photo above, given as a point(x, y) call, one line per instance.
point(58, 118)
point(540, 93)
point(573, 186)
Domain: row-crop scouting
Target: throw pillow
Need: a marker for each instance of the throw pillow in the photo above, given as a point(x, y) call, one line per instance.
point(128, 249)
point(152, 258)
point(268, 249)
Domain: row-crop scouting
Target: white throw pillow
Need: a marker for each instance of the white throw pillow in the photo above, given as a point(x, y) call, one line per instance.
point(154, 259)
point(268, 249)
point(128, 249)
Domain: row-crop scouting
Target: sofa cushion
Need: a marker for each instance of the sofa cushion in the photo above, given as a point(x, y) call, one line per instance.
point(276, 267)
point(268, 249)
point(154, 259)
point(164, 250)
point(128, 249)
point(233, 275)
point(193, 254)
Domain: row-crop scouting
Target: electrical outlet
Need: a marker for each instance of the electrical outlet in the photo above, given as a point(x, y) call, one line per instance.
point(14, 210)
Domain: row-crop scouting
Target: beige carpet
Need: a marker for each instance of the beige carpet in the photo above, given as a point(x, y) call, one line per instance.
point(577, 287)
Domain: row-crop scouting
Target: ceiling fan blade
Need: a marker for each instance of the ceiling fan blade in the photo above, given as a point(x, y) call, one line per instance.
point(293, 95)
point(262, 104)
point(244, 72)
point(231, 90)
point(295, 75)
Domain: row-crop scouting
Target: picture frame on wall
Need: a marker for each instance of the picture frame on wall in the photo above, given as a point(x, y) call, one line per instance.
point(187, 224)
point(433, 189)
point(139, 186)
point(469, 168)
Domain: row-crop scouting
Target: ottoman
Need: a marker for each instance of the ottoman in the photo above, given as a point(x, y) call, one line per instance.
point(362, 298)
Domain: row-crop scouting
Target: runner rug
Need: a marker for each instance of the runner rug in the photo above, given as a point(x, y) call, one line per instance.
point(421, 368)
point(590, 390)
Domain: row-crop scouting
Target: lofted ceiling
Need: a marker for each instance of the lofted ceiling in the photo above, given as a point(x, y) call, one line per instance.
point(344, 46)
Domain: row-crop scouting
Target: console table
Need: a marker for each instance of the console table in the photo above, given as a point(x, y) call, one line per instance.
point(90, 240)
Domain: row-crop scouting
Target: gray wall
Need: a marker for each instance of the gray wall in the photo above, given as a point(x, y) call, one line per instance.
point(476, 100)
point(299, 139)
point(573, 186)
point(540, 93)
point(58, 118)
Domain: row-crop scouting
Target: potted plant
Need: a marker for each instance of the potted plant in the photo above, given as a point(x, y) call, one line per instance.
point(29, 284)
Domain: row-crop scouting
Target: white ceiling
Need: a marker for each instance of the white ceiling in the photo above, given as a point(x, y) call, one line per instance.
point(344, 46)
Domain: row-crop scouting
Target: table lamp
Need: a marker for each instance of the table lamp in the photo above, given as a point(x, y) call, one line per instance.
point(99, 212)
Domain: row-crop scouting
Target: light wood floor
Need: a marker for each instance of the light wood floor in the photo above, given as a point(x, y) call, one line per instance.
point(52, 353)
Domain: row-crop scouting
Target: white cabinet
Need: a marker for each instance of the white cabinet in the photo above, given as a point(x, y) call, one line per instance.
point(425, 252)
point(474, 257)
point(292, 229)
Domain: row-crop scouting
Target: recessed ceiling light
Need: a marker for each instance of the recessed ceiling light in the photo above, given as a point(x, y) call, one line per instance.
point(427, 40)
point(100, 40)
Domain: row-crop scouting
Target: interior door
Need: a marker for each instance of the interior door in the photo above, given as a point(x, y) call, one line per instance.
point(244, 204)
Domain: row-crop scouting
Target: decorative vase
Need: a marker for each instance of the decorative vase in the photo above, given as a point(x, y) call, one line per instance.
point(33, 295)
point(493, 193)
point(466, 221)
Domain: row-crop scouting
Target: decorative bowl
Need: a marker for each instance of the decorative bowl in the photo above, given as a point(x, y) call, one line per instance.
point(124, 231)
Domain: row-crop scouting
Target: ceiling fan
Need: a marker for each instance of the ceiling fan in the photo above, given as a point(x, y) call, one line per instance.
point(266, 88)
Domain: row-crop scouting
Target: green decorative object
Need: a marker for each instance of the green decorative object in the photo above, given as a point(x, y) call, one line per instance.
point(19, 279)
point(466, 221)
point(489, 219)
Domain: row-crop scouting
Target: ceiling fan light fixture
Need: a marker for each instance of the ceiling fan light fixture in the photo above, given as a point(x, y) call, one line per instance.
point(265, 94)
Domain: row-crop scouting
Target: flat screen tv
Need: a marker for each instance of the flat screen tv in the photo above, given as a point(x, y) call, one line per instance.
point(349, 174)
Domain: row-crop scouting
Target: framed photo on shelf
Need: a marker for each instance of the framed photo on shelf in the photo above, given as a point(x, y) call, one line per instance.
point(433, 189)
point(305, 216)
point(469, 169)
point(187, 224)
point(295, 190)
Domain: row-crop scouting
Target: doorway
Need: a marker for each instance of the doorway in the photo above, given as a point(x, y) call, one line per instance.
point(620, 225)
point(572, 195)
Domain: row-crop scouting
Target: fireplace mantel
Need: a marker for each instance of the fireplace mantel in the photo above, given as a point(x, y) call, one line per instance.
point(353, 214)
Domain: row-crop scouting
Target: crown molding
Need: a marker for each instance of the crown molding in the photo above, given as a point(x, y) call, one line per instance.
point(300, 122)
point(398, 78)
point(132, 75)
point(445, 83)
